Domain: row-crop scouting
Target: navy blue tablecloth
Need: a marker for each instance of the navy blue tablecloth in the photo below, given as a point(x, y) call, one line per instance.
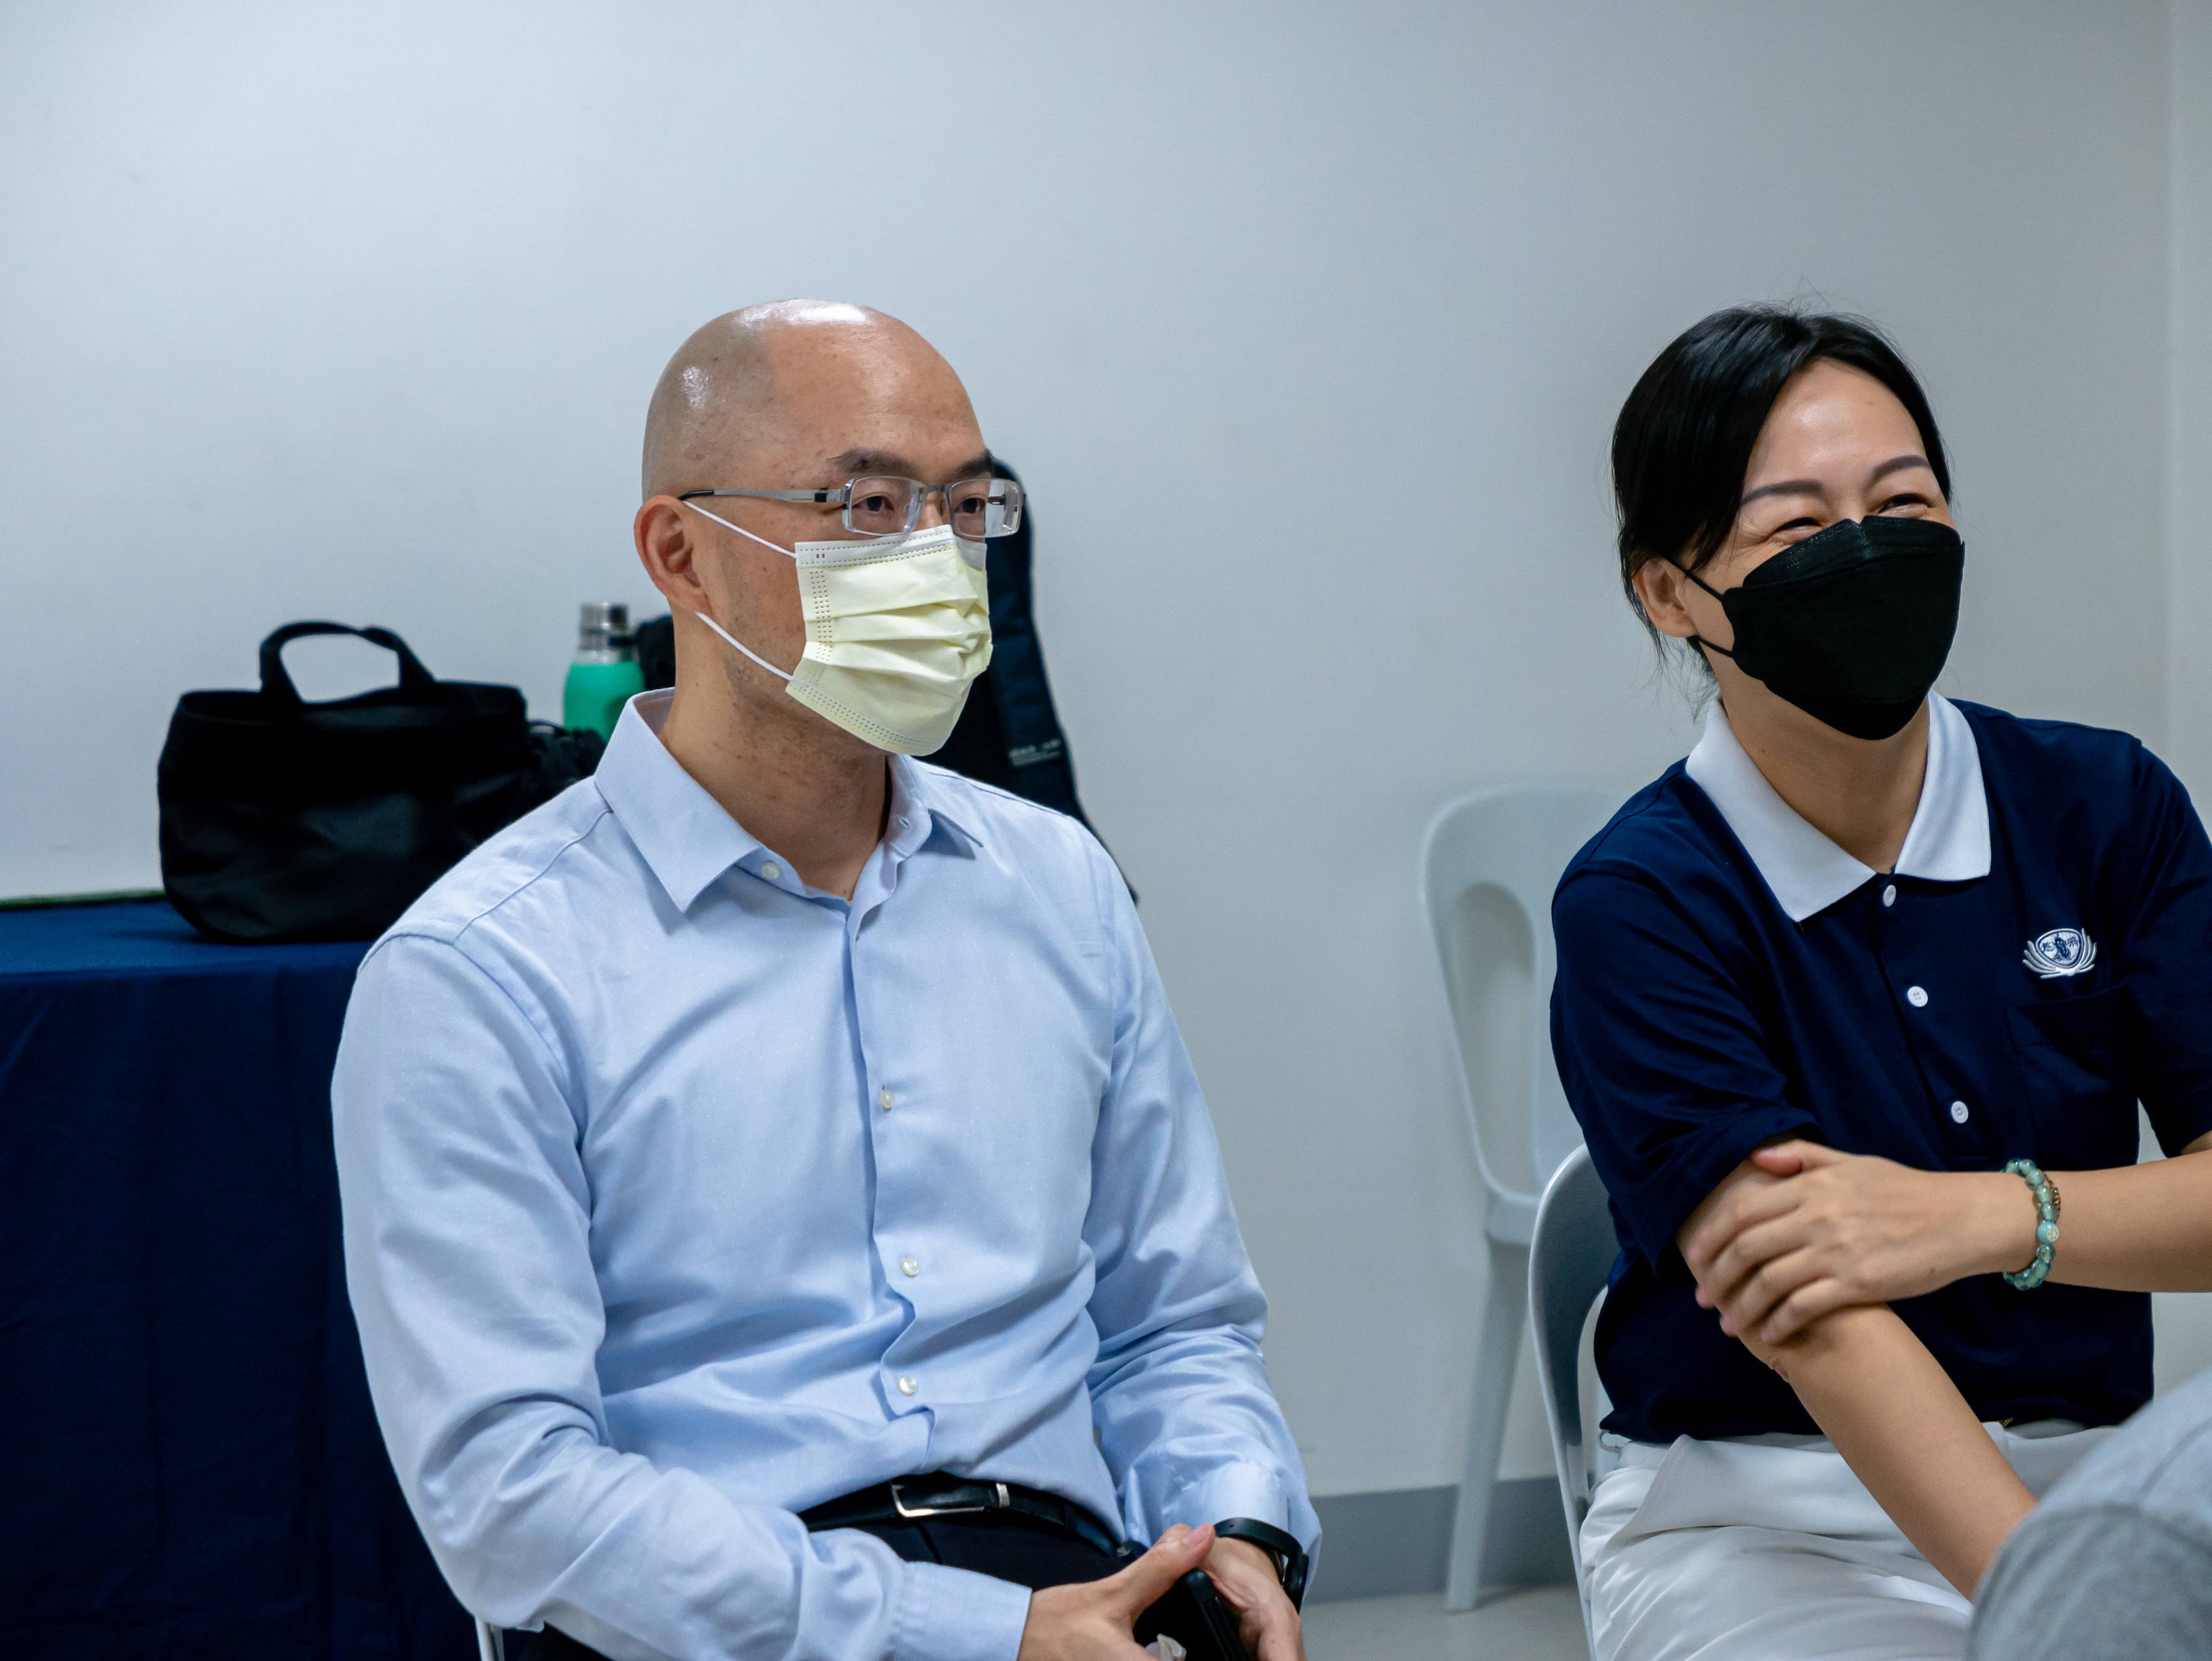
point(190, 1469)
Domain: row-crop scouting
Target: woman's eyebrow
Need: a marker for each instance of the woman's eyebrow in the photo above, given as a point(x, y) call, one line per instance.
point(1895, 463)
point(1789, 487)
point(1803, 487)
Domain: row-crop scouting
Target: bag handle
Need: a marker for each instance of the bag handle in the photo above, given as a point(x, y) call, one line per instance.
point(276, 682)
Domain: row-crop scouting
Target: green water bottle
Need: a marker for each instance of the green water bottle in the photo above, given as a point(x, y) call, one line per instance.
point(604, 676)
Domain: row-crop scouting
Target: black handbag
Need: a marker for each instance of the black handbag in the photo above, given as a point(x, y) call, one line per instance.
point(285, 820)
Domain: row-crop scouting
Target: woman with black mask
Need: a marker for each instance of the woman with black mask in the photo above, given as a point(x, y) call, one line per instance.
point(1849, 1002)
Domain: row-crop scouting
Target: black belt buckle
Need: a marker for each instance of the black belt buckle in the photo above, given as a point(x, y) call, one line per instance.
point(1192, 1613)
point(1004, 1502)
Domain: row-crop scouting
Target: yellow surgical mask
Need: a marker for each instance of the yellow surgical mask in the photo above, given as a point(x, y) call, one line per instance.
point(897, 629)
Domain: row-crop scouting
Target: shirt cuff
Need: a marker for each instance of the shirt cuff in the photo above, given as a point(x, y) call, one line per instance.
point(1227, 1491)
point(954, 1615)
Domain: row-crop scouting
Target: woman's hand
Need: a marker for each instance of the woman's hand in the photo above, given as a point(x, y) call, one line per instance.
point(1834, 1230)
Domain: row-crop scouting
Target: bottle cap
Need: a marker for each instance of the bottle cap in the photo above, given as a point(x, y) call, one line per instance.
point(604, 626)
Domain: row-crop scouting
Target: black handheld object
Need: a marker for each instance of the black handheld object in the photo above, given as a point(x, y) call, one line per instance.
point(1193, 1613)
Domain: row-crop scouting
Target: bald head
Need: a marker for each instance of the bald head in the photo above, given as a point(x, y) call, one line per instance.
point(762, 391)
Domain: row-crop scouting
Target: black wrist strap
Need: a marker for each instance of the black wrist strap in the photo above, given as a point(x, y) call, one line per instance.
point(1290, 1557)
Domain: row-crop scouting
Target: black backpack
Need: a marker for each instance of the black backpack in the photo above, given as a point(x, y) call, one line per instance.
point(285, 820)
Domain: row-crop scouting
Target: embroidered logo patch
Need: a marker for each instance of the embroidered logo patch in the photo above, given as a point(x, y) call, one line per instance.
point(2061, 952)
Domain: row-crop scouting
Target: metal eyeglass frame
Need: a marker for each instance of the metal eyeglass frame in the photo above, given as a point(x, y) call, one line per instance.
point(840, 495)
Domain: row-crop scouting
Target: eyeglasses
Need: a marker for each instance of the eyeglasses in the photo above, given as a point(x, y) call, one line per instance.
point(886, 506)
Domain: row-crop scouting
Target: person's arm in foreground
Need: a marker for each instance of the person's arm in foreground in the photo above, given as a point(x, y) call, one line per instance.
point(468, 1254)
point(1894, 1414)
point(2111, 1580)
point(1186, 1421)
point(2118, 1559)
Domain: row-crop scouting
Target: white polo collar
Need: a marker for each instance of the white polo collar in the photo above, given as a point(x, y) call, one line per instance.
point(1949, 841)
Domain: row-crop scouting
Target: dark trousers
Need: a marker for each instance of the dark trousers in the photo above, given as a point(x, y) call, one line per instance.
point(1004, 1548)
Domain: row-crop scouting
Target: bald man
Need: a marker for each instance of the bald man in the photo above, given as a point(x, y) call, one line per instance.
point(779, 1213)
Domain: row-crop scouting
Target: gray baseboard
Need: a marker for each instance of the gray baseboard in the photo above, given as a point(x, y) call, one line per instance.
point(1393, 1542)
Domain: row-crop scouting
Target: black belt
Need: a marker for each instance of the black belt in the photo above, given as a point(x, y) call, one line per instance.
point(918, 1498)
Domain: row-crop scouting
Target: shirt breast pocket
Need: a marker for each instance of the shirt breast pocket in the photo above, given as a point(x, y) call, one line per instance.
point(2072, 1059)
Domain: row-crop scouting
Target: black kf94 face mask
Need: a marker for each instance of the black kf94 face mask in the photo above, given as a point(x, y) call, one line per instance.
point(1853, 624)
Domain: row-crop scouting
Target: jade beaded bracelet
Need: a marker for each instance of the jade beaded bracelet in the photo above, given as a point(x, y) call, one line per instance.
point(2046, 1224)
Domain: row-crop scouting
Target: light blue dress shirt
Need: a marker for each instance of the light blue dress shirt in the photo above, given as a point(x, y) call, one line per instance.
point(680, 1197)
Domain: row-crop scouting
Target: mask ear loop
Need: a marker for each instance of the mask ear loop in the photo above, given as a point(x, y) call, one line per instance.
point(733, 641)
point(778, 673)
point(1699, 639)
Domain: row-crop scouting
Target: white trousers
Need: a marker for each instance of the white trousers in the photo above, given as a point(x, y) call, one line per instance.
point(1767, 1548)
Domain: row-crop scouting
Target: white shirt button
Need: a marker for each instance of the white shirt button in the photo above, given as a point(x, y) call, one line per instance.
point(1889, 895)
point(907, 1385)
point(772, 871)
point(884, 1098)
point(909, 1266)
point(1916, 996)
point(1957, 1113)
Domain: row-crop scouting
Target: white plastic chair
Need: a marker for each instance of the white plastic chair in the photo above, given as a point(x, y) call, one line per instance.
point(1488, 866)
point(1568, 1264)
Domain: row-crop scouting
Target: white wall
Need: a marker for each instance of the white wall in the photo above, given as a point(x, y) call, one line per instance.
point(2189, 469)
point(1307, 325)
point(2185, 1324)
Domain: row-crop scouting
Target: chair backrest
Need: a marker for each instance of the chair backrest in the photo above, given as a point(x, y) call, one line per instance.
point(1509, 843)
point(1568, 1262)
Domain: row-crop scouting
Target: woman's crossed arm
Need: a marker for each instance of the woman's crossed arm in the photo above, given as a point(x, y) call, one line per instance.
point(1844, 1229)
point(1891, 1410)
point(1801, 1249)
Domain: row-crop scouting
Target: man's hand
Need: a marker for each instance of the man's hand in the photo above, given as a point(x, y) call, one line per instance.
point(1093, 1622)
point(1266, 1620)
point(1801, 1230)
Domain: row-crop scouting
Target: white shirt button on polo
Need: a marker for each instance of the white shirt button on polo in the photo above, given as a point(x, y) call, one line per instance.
point(1916, 996)
point(1889, 894)
point(772, 871)
point(1957, 1113)
point(884, 1098)
point(909, 1266)
point(907, 1385)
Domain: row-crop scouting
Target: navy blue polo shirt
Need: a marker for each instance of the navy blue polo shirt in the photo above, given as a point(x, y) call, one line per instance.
point(2040, 960)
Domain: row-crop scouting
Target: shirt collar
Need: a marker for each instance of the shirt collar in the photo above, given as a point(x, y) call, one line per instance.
point(686, 836)
point(1949, 841)
point(689, 839)
point(929, 797)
